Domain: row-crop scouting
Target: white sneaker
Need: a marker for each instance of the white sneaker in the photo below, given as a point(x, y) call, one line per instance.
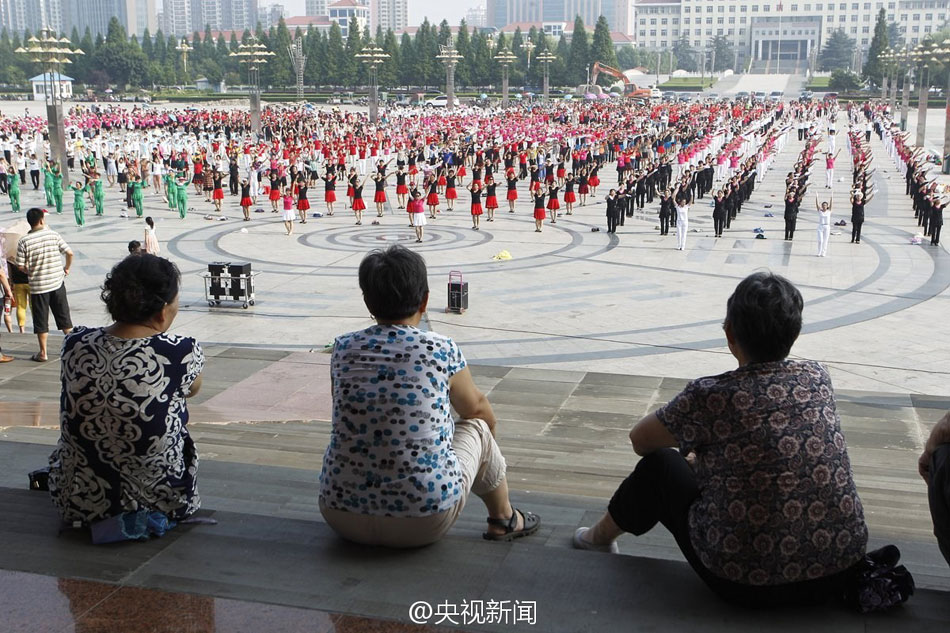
point(581, 543)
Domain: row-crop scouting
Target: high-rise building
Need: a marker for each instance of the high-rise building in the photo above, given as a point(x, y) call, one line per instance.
point(140, 15)
point(770, 33)
point(177, 15)
point(389, 14)
point(19, 15)
point(316, 7)
point(500, 13)
point(476, 16)
point(206, 13)
point(237, 15)
point(271, 14)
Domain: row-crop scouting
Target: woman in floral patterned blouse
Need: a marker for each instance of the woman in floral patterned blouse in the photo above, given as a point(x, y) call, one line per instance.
point(760, 496)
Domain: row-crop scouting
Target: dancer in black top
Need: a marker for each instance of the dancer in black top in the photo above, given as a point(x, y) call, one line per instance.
point(476, 190)
point(329, 189)
point(491, 200)
point(512, 195)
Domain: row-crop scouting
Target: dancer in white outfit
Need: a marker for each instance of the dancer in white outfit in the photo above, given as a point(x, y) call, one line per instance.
point(824, 225)
point(682, 218)
point(830, 168)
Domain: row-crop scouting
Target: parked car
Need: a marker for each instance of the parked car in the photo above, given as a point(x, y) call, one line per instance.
point(655, 93)
point(685, 97)
point(441, 101)
point(402, 102)
point(712, 95)
point(742, 95)
point(806, 96)
point(758, 95)
point(669, 96)
point(777, 95)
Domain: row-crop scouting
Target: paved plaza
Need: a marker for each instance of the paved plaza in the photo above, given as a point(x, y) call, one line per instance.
point(574, 339)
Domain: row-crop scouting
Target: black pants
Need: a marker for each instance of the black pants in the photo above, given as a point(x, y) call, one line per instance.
point(719, 222)
point(35, 178)
point(612, 220)
point(867, 136)
point(661, 489)
point(940, 497)
point(801, 134)
point(664, 224)
point(790, 227)
point(22, 176)
point(935, 234)
point(128, 197)
point(856, 231)
point(233, 184)
point(641, 198)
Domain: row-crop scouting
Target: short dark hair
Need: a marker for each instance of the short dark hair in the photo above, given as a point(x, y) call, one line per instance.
point(134, 247)
point(139, 286)
point(764, 315)
point(34, 216)
point(394, 282)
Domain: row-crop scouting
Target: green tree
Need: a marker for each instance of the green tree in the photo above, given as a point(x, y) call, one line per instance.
point(407, 60)
point(516, 73)
point(147, 49)
point(579, 58)
point(559, 66)
point(279, 69)
point(873, 68)
point(844, 80)
point(894, 35)
point(725, 54)
point(354, 44)
point(336, 56)
point(389, 71)
point(838, 52)
point(685, 55)
point(602, 49)
point(463, 44)
point(481, 60)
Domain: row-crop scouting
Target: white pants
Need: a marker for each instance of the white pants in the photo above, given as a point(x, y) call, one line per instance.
point(829, 177)
point(824, 234)
point(831, 144)
point(682, 224)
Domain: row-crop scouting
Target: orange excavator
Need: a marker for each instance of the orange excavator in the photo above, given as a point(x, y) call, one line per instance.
point(629, 89)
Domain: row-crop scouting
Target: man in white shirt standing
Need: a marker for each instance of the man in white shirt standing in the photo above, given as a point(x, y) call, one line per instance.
point(40, 255)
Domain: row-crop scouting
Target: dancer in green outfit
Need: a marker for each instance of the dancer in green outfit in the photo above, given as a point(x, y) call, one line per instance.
point(57, 188)
point(181, 197)
point(136, 185)
point(79, 202)
point(170, 189)
point(98, 194)
point(13, 184)
point(48, 183)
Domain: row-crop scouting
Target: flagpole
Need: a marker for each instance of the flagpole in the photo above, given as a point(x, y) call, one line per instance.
point(778, 62)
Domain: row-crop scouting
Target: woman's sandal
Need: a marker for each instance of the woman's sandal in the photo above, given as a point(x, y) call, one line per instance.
point(531, 524)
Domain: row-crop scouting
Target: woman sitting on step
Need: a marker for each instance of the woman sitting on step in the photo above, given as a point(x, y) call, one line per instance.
point(760, 495)
point(399, 469)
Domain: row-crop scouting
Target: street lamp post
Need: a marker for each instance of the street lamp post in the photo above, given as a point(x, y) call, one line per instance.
point(528, 47)
point(51, 54)
point(449, 56)
point(885, 60)
point(504, 57)
point(184, 48)
point(546, 57)
point(254, 54)
point(905, 96)
point(944, 53)
point(373, 57)
point(922, 54)
point(299, 61)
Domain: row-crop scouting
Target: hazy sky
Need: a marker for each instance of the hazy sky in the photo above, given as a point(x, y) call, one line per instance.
point(435, 10)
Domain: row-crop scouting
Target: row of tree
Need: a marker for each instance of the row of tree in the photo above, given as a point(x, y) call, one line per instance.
point(119, 61)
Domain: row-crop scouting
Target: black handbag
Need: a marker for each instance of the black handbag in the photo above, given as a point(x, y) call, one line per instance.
point(877, 582)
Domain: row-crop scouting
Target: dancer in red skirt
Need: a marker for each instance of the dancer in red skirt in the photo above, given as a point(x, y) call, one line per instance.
point(417, 214)
point(450, 193)
point(582, 188)
point(358, 204)
point(402, 191)
point(512, 179)
point(329, 189)
point(303, 204)
point(491, 201)
point(274, 195)
point(561, 171)
point(379, 197)
point(217, 178)
point(569, 197)
point(246, 201)
point(539, 213)
point(553, 204)
point(476, 191)
point(442, 179)
point(350, 184)
point(593, 180)
point(432, 200)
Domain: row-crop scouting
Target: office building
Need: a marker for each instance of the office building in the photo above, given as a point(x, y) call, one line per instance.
point(271, 14)
point(388, 14)
point(16, 16)
point(316, 7)
point(500, 13)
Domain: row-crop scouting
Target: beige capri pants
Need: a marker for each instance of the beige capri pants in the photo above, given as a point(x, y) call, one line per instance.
point(483, 469)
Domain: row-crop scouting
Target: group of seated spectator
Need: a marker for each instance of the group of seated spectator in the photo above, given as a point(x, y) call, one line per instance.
point(748, 470)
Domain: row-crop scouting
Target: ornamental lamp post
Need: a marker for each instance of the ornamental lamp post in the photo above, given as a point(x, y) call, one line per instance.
point(184, 48)
point(254, 55)
point(944, 56)
point(449, 56)
point(505, 57)
point(885, 60)
point(373, 57)
point(528, 46)
point(546, 57)
point(51, 54)
point(923, 56)
point(905, 95)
